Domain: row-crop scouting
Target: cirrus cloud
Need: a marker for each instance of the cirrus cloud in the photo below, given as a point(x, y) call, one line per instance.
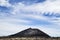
point(41, 15)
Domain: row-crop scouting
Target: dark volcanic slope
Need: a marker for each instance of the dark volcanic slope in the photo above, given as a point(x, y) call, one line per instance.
point(30, 33)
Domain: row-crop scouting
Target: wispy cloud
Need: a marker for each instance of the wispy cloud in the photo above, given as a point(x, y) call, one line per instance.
point(4, 3)
point(26, 2)
point(44, 15)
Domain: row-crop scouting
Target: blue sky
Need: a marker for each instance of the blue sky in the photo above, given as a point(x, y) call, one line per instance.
point(17, 15)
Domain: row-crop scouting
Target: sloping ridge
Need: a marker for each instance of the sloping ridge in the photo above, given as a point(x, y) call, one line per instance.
point(30, 33)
